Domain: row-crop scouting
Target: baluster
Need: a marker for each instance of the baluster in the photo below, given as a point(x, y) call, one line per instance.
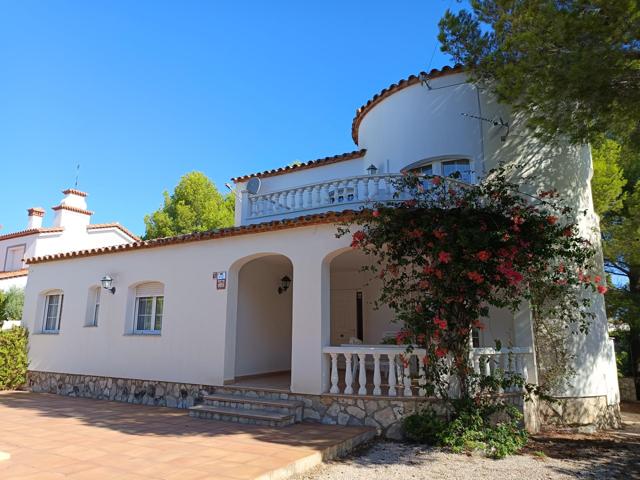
point(348, 375)
point(365, 188)
point(308, 197)
point(407, 378)
point(487, 365)
point(392, 374)
point(362, 375)
point(334, 373)
point(356, 189)
point(476, 363)
point(317, 196)
point(300, 198)
point(325, 199)
point(375, 194)
point(377, 381)
point(422, 379)
point(525, 368)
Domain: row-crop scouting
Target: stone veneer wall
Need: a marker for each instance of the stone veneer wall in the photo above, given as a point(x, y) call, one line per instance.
point(383, 413)
point(627, 386)
point(584, 414)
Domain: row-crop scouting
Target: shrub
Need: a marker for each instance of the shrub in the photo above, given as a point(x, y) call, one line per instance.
point(424, 427)
point(13, 358)
point(493, 429)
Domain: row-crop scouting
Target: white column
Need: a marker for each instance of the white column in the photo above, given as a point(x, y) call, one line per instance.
point(362, 374)
point(392, 374)
point(376, 374)
point(310, 324)
point(348, 375)
point(334, 373)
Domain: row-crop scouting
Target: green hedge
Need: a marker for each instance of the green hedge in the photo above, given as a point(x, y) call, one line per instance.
point(13, 358)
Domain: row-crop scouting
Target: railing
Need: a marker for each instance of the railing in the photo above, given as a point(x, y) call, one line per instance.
point(345, 193)
point(366, 365)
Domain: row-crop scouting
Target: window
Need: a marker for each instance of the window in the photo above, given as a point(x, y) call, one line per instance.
point(52, 312)
point(460, 167)
point(149, 307)
point(13, 258)
point(475, 337)
point(95, 310)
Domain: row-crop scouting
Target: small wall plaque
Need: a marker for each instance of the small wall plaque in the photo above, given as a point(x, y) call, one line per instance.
point(221, 280)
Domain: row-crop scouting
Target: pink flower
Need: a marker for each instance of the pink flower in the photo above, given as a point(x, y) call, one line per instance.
point(475, 277)
point(436, 180)
point(376, 213)
point(597, 278)
point(483, 255)
point(358, 238)
point(444, 257)
point(439, 233)
point(602, 289)
point(416, 233)
point(552, 219)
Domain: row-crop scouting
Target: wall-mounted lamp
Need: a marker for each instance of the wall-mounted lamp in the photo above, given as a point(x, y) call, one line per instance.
point(285, 282)
point(372, 169)
point(107, 284)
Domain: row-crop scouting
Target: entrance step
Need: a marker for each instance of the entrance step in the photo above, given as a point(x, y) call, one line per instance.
point(260, 404)
point(243, 415)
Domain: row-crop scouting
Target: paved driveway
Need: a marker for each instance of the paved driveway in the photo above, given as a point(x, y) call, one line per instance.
point(54, 437)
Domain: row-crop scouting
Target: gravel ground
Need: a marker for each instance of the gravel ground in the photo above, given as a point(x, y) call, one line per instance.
point(609, 455)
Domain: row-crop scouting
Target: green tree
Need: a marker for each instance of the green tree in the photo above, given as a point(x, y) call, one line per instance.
point(573, 66)
point(11, 303)
point(616, 196)
point(196, 205)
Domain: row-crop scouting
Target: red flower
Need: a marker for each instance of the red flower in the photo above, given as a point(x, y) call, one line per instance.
point(440, 352)
point(411, 203)
point(376, 213)
point(358, 238)
point(442, 324)
point(439, 233)
point(597, 278)
point(444, 257)
point(475, 277)
point(552, 219)
point(419, 308)
point(602, 289)
point(415, 233)
point(567, 232)
point(436, 180)
point(483, 255)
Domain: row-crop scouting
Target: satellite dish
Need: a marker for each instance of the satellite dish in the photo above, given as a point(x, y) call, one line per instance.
point(253, 185)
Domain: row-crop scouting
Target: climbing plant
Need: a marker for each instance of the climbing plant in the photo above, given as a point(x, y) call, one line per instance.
point(446, 252)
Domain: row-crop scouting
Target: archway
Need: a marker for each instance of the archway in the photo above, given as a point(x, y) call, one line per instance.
point(263, 317)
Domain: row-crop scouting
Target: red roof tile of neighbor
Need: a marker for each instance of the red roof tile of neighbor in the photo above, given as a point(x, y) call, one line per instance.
point(320, 218)
point(14, 274)
point(36, 211)
point(99, 226)
point(396, 87)
point(74, 192)
point(303, 166)
point(31, 231)
point(72, 209)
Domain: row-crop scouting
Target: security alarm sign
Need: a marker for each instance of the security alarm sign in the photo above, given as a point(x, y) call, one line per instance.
point(221, 280)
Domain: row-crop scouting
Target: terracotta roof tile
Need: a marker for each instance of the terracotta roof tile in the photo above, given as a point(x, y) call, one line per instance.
point(303, 166)
point(36, 212)
point(396, 87)
point(74, 192)
point(31, 231)
point(99, 226)
point(320, 218)
point(14, 274)
point(72, 209)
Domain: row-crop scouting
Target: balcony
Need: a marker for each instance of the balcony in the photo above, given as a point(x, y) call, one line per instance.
point(334, 195)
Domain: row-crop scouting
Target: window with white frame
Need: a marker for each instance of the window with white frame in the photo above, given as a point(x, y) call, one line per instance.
point(149, 307)
point(13, 259)
point(475, 337)
point(459, 168)
point(94, 307)
point(52, 311)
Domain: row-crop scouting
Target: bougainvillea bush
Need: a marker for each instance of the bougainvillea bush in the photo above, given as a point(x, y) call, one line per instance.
point(453, 250)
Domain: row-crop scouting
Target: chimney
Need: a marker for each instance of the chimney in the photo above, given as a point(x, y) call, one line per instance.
point(36, 214)
point(72, 210)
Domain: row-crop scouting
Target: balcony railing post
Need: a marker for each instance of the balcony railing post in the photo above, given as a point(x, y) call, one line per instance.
point(334, 373)
point(348, 375)
point(377, 380)
point(362, 374)
point(392, 374)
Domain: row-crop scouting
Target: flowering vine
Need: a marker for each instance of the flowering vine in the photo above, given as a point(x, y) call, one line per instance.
point(449, 251)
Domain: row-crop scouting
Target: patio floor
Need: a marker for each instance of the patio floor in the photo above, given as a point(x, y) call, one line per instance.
point(54, 437)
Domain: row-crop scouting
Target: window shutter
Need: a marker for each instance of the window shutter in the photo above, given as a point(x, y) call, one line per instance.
point(151, 289)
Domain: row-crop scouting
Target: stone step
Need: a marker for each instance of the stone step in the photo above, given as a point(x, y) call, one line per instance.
point(244, 402)
point(243, 415)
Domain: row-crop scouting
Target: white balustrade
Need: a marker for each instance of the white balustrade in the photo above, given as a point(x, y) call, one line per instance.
point(351, 192)
point(392, 361)
point(393, 370)
point(514, 360)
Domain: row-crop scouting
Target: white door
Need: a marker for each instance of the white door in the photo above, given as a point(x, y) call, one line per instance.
point(344, 314)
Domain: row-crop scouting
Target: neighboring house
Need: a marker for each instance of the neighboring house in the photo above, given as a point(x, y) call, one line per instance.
point(276, 304)
point(71, 230)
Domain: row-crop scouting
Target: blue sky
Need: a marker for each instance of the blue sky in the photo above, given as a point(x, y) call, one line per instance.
point(139, 93)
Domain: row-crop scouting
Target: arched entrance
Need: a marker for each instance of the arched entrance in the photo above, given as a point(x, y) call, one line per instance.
point(354, 318)
point(263, 322)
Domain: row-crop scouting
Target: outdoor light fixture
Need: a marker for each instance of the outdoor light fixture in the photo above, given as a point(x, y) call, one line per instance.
point(284, 284)
point(372, 169)
point(107, 283)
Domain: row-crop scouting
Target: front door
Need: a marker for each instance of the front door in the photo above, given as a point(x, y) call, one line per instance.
point(346, 316)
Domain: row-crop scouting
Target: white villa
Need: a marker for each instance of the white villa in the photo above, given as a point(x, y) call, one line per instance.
point(71, 230)
point(276, 309)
